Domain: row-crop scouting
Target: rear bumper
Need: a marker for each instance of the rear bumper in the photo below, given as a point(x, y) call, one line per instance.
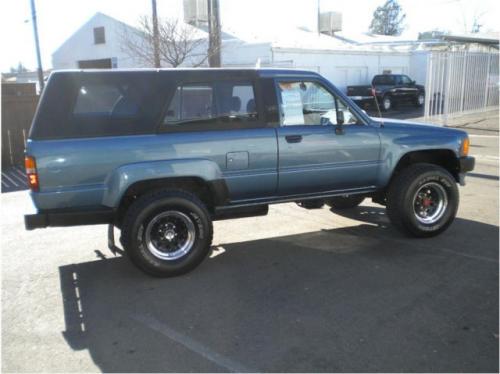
point(66, 217)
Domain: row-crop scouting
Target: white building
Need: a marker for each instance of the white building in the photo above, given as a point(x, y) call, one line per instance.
point(97, 44)
point(341, 58)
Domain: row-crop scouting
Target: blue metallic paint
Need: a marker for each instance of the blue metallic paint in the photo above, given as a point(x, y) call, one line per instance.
point(97, 171)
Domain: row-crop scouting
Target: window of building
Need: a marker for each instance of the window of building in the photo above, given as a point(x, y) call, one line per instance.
point(99, 35)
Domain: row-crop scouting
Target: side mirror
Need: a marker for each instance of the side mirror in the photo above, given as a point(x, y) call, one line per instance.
point(340, 117)
point(413, 83)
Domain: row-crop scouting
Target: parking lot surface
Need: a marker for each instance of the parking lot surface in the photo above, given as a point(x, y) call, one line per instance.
point(297, 290)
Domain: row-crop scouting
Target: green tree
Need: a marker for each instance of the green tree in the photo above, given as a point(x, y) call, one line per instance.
point(20, 68)
point(388, 19)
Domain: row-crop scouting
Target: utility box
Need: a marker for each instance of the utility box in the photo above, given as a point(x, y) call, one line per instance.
point(196, 12)
point(330, 22)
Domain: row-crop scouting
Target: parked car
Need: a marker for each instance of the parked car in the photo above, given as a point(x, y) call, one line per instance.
point(160, 154)
point(390, 90)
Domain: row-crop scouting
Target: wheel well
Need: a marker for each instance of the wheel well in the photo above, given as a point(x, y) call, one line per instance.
point(442, 157)
point(201, 188)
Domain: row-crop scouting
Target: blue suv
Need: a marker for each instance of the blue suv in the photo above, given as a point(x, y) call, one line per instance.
point(160, 154)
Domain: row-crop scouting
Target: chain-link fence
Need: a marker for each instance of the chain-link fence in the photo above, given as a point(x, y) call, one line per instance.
point(459, 83)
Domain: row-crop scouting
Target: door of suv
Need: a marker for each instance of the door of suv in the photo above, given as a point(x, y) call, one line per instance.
point(408, 88)
point(316, 155)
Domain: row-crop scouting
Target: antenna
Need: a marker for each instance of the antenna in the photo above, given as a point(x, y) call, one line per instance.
point(378, 107)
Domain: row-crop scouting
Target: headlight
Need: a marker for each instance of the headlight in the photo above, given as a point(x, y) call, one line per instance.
point(464, 148)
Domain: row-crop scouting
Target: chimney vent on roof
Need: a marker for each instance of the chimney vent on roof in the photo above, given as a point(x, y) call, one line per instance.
point(196, 12)
point(330, 22)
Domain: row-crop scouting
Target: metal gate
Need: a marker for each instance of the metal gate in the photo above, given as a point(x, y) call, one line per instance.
point(459, 83)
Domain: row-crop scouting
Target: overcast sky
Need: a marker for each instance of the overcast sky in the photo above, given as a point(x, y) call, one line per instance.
point(58, 19)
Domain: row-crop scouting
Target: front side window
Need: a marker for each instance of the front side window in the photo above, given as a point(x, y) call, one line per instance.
point(405, 80)
point(309, 103)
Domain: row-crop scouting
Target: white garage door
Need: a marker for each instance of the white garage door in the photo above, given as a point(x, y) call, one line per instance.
point(350, 76)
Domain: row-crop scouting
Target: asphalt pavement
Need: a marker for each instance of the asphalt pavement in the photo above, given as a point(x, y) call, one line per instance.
point(297, 290)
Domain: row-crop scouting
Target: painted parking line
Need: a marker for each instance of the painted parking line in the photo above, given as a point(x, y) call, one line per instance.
point(14, 179)
point(4, 175)
point(20, 172)
point(482, 136)
point(192, 344)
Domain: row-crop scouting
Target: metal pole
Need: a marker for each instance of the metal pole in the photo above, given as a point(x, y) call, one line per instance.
point(37, 46)
point(487, 89)
point(447, 90)
point(214, 42)
point(319, 18)
point(428, 90)
point(156, 37)
point(462, 93)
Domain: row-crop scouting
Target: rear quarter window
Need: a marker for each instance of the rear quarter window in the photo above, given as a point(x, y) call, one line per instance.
point(94, 105)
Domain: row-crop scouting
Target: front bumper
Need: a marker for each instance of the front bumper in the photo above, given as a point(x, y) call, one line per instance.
point(465, 164)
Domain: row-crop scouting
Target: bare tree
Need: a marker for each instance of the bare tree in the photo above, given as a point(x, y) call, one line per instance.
point(178, 43)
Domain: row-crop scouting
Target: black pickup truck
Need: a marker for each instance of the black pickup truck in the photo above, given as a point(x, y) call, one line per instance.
point(389, 89)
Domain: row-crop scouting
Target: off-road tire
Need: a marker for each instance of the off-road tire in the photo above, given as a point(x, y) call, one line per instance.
point(401, 199)
point(148, 206)
point(417, 101)
point(391, 103)
point(345, 202)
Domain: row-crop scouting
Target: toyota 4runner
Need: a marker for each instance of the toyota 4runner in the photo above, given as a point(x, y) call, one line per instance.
point(160, 154)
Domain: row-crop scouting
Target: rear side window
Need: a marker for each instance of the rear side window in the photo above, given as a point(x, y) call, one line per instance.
point(190, 103)
point(207, 106)
point(94, 105)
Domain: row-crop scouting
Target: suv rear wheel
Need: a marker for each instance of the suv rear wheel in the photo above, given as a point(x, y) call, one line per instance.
point(167, 233)
point(422, 200)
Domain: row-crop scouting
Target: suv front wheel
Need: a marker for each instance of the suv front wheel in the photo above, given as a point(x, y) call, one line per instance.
point(422, 200)
point(167, 233)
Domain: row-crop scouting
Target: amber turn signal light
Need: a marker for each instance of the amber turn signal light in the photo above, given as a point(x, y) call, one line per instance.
point(30, 165)
point(464, 150)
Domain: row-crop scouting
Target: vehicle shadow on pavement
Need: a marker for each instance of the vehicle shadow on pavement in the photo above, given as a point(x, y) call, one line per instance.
point(361, 298)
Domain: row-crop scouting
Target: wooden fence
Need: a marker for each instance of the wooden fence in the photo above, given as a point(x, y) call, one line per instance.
point(17, 114)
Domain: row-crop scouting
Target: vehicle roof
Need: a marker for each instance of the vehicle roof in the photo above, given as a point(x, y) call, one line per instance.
point(260, 72)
